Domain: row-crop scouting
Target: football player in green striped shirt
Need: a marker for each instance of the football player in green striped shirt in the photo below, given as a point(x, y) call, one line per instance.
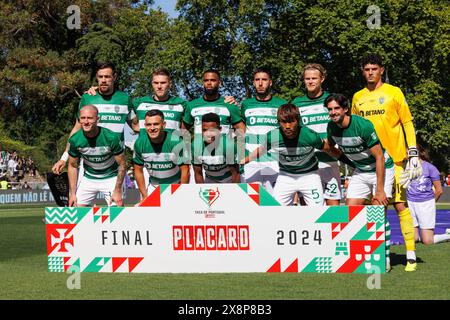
point(298, 163)
point(113, 106)
point(260, 117)
point(357, 139)
point(315, 116)
point(215, 152)
point(164, 155)
point(212, 101)
point(103, 161)
point(172, 107)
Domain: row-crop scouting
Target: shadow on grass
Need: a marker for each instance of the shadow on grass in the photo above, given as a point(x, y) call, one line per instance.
point(21, 237)
point(400, 259)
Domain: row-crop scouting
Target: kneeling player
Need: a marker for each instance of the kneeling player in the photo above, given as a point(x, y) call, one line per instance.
point(215, 152)
point(298, 163)
point(103, 162)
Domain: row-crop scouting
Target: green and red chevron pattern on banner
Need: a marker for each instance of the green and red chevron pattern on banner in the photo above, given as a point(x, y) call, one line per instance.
point(215, 228)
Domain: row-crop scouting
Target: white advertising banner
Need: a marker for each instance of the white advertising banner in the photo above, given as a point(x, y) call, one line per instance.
point(215, 228)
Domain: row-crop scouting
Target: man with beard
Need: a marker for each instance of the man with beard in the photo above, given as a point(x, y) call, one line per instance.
point(212, 101)
point(113, 108)
point(260, 117)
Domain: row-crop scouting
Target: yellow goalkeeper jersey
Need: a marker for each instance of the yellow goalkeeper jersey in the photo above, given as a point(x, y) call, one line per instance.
point(387, 109)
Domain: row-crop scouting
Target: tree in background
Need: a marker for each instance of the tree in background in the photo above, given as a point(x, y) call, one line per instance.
point(45, 66)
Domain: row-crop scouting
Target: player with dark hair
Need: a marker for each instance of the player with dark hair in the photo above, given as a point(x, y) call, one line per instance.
point(422, 194)
point(113, 107)
point(260, 117)
point(385, 106)
point(212, 101)
point(298, 163)
point(215, 152)
point(163, 154)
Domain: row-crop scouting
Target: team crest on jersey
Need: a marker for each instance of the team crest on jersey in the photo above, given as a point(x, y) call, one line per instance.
point(274, 112)
point(170, 107)
point(116, 109)
point(217, 110)
point(381, 100)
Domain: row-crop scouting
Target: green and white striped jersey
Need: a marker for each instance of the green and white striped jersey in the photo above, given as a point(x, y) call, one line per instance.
point(295, 156)
point(229, 113)
point(173, 110)
point(260, 117)
point(216, 158)
point(97, 153)
point(161, 160)
point(314, 115)
point(112, 110)
point(355, 142)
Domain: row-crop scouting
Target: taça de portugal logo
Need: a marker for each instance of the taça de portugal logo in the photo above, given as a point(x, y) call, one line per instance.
point(209, 196)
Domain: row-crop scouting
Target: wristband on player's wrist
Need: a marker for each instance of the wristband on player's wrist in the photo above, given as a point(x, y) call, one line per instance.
point(412, 152)
point(65, 156)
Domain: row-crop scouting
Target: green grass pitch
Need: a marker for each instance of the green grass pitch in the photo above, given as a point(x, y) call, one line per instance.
point(24, 275)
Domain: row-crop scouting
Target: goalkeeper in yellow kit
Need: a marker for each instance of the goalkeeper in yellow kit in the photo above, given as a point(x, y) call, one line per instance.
point(385, 106)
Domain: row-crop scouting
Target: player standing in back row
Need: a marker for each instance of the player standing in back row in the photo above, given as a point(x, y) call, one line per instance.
point(113, 108)
point(385, 106)
point(260, 117)
point(314, 115)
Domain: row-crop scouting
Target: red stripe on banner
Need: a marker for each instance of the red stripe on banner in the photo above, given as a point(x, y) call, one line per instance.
point(353, 211)
point(293, 267)
point(174, 187)
point(117, 262)
point(276, 267)
point(153, 200)
point(255, 198)
point(133, 262)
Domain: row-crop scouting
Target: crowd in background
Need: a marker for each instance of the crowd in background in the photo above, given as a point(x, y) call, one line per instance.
point(13, 169)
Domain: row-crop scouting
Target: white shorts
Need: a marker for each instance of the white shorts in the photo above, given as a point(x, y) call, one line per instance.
point(265, 173)
point(308, 184)
point(423, 213)
point(362, 185)
point(331, 181)
point(88, 188)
